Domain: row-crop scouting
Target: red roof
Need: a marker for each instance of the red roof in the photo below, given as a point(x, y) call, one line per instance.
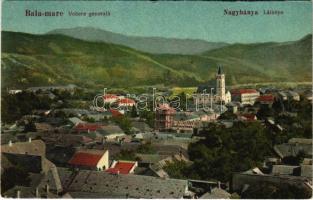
point(268, 98)
point(87, 126)
point(243, 91)
point(85, 159)
point(110, 96)
point(115, 113)
point(126, 101)
point(165, 107)
point(121, 167)
point(249, 117)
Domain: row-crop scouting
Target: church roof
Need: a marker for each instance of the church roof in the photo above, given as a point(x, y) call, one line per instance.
point(219, 70)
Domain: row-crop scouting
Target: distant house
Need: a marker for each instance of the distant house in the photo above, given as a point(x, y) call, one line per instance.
point(75, 120)
point(245, 96)
point(43, 127)
point(115, 113)
point(293, 95)
point(122, 167)
point(247, 117)
point(32, 147)
point(87, 127)
point(267, 99)
point(126, 102)
point(285, 170)
point(293, 147)
point(245, 180)
point(90, 159)
point(110, 98)
point(111, 132)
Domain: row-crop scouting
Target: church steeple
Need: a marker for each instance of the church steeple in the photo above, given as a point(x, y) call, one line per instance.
point(219, 70)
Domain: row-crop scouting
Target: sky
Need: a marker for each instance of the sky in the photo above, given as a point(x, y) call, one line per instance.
point(185, 19)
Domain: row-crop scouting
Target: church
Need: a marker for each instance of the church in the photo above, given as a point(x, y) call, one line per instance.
point(214, 94)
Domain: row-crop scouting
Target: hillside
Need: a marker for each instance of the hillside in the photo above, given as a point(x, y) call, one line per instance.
point(30, 60)
point(33, 60)
point(154, 45)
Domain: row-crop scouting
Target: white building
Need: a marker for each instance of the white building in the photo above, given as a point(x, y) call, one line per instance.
point(245, 96)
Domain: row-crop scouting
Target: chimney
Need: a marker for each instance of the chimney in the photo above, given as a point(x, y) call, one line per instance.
point(37, 193)
point(10, 143)
point(29, 139)
point(18, 195)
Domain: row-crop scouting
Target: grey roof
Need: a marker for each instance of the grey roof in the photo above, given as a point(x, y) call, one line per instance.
point(110, 129)
point(141, 126)
point(283, 169)
point(216, 193)
point(306, 171)
point(300, 141)
point(75, 120)
point(150, 158)
point(184, 116)
point(35, 147)
point(286, 149)
point(104, 185)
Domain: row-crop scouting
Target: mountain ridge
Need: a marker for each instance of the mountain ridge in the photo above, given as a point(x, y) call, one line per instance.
point(36, 60)
point(154, 45)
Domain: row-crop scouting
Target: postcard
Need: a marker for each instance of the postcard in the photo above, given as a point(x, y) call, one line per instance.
point(156, 99)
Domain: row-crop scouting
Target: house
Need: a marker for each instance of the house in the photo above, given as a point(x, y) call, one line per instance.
point(44, 127)
point(267, 99)
point(283, 95)
point(115, 113)
point(43, 174)
point(247, 117)
point(245, 96)
point(126, 102)
point(232, 107)
point(100, 184)
point(140, 127)
point(122, 167)
point(87, 127)
point(293, 95)
point(32, 147)
point(244, 180)
point(111, 132)
point(75, 120)
point(306, 171)
point(164, 117)
point(294, 147)
point(14, 91)
point(90, 159)
point(285, 169)
point(110, 98)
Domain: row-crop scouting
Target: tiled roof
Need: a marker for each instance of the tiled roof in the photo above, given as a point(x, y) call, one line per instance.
point(243, 91)
point(110, 96)
point(121, 167)
point(268, 98)
point(87, 126)
point(115, 113)
point(85, 159)
point(126, 101)
point(249, 117)
point(127, 186)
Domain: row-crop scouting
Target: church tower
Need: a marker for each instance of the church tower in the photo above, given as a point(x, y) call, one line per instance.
point(220, 84)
